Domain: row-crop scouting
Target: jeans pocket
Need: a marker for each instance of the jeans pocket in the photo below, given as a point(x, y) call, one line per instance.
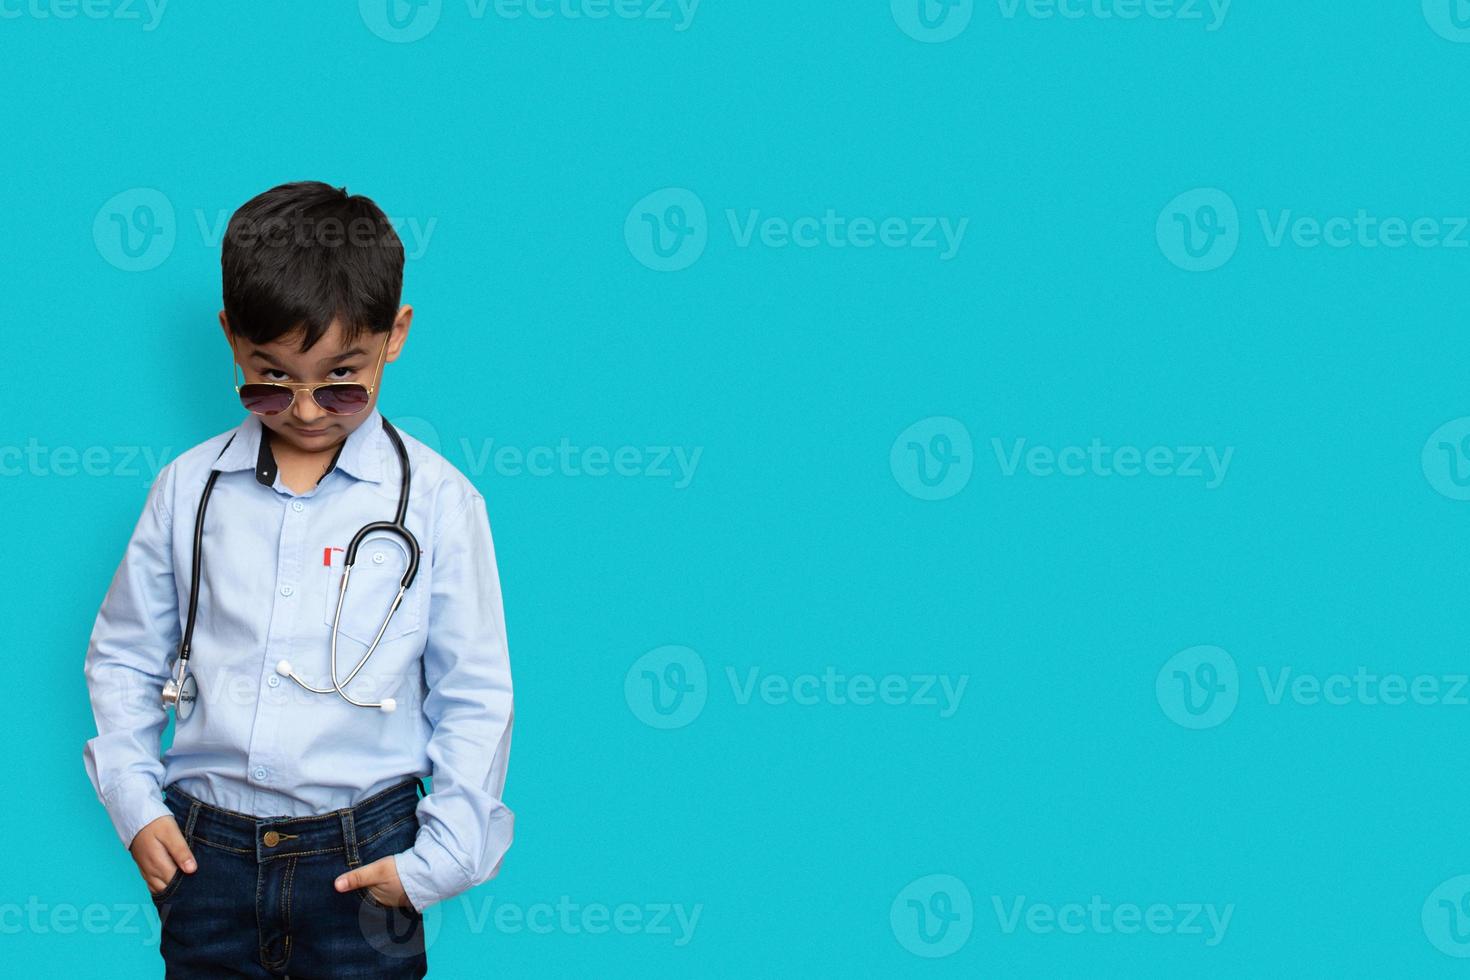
point(398, 837)
point(178, 879)
point(170, 888)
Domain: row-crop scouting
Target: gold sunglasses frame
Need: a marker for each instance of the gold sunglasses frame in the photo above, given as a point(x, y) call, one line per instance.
point(296, 387)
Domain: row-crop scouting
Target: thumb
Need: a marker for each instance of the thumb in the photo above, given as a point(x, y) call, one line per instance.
point(368, 874)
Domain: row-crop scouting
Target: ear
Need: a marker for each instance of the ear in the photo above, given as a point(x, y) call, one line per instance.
point(401, 324)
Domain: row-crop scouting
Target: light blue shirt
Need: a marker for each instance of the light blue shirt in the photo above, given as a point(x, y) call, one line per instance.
point(257, 742)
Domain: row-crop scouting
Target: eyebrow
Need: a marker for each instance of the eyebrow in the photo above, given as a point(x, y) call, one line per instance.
point(345, 355)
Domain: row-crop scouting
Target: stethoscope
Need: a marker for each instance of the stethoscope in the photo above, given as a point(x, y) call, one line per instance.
point(181, 689)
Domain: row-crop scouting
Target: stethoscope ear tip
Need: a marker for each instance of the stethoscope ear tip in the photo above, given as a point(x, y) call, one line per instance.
point(388, 704)
point(283, 667)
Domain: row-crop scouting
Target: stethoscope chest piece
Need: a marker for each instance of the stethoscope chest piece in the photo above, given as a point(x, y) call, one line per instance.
point(188, 694)
point(181, 696)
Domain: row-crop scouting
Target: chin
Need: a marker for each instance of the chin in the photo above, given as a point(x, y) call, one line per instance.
point(307, 439)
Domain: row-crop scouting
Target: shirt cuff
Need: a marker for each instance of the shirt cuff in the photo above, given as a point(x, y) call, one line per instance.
point(132, 804)
point(429, 873)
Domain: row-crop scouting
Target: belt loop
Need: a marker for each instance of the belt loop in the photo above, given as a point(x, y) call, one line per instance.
point(349, 837)
point(194, 809)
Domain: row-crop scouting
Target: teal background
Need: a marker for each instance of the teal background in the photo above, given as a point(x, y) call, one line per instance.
point(1329, 545)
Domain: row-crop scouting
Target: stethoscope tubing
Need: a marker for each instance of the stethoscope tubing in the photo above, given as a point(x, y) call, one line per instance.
point(396, 527)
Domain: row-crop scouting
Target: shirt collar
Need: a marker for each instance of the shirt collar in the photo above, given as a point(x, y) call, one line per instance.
point(359, 455)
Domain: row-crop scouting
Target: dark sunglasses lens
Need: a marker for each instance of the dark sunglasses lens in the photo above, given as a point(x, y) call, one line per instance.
point(343, 399)
point(265, 399)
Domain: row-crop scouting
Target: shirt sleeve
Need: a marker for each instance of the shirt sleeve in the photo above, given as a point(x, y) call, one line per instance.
point(132, 642)
point(464, 827)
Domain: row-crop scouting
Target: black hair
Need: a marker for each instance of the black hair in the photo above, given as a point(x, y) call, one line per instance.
point(304, 254)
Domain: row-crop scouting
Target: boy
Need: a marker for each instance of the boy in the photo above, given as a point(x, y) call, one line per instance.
point(291, 837)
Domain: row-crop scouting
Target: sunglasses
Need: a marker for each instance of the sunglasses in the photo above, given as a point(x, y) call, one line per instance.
point(333, 397)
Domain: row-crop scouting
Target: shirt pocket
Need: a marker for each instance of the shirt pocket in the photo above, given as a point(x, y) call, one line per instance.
point(376, 576)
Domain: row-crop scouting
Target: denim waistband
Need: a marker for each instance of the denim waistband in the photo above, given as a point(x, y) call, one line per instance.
point(269, 838)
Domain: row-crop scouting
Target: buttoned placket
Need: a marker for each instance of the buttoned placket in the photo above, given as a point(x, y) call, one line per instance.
point(267, 754)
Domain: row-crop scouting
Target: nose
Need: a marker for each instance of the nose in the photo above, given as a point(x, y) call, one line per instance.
point(306, 410)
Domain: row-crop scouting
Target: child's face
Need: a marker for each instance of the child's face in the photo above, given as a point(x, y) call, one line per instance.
point(306, 426)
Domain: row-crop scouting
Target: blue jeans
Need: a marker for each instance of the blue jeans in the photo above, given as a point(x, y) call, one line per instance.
point(261, 902)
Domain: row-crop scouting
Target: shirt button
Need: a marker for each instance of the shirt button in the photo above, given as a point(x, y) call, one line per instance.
point(259, 772)
point(297, 506)
point(287, 590)
point(377, 558)
point(273, 680)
